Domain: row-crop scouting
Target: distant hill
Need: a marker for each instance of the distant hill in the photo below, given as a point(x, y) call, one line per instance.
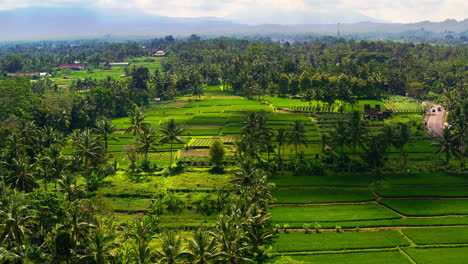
point(63, 23)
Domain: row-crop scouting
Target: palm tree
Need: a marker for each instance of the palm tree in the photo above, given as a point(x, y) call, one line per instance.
point(356, 130)
point(203, 248)
point(142, 232)
point(21, 177)
point(16, 221)
point(230, 239)
point(448, 144)
point(105, 128)
point(340, 136)
point(403, 137)
point(145, 140)
point(281, 137)
point(87, 147)
point(389, 137)
point(297, 134)
point(308, 96)
point(172, 132)
point(45, 163)
point(75, 224)
point(68, 185)
point(137, 121)
point(172, 251)
point(100, 248)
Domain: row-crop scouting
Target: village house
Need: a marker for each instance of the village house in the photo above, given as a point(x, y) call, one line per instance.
point(75, 67)
point(22, 74)
point(115, 63)
point(159, 53)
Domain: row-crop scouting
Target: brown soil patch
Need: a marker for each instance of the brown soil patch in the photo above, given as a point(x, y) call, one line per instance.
point(194, 152)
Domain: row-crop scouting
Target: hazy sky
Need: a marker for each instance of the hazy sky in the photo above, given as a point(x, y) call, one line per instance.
point(268, 11)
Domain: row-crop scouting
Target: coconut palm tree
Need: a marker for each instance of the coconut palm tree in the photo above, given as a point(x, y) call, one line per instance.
point(75, 224)
point(203, 248)
point(87, 148)
point(297, 135)
point(22, 174)
point(340, 136)
point(68, 185)
point(448, 144)
point(142, 233)
point(100, 248)
point(44, 162)
point(389, 137)
point(145, 140)
point(172, 132)
point(281, 137)
point(356, 130)
point(230, 239)
point(172, 251)
point(15, 222)
point(105, 128)
point(403, 137)
point(137, 121)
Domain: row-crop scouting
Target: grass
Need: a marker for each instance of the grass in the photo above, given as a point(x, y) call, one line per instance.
point(428, 207)
point(384, 257)
point(434, 236)
point(445, 221)
point(321, 195)
point(330, 213)
point(401, 191)
point(455, 255)
point(300, 242)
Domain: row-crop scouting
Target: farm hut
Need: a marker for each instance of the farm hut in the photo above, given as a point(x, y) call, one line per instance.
point(375, 113)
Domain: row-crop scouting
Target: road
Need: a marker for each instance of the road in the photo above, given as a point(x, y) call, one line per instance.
point(435, 122)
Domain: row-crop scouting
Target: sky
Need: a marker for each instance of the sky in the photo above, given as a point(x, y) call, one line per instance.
point(272, 11)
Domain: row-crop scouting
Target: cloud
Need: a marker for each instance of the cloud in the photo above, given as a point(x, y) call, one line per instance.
point(267, 11)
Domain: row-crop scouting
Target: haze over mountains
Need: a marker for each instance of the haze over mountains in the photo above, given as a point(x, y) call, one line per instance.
point(71, 23)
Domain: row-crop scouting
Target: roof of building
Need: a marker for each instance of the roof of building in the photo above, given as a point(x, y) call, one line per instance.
point(16, 74)
point(71, 66)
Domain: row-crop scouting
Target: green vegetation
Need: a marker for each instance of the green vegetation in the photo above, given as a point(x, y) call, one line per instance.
point(455, 255)
point(300, 242)
point(435, 236)
point(384, 257)
point(428, 207)
point(321, 195)
point(327, 213)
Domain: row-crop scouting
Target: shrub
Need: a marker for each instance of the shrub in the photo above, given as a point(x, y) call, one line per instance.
point(217, 153)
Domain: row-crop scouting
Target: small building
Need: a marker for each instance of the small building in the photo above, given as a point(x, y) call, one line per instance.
point(119, 63)
point(75, 67)
point(45, 74)
point(22, 74)
point(375, 113)
point(115, 63)
point(159, 53)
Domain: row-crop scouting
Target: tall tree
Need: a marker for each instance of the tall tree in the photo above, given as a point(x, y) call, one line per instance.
point(137, 121)
point(448, 144)
point(88, 149)
point(297, 135)
point(105, 128)
point(172, 251)
point(172, 132)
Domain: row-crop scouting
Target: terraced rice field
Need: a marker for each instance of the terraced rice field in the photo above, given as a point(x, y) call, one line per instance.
point(327, 220)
